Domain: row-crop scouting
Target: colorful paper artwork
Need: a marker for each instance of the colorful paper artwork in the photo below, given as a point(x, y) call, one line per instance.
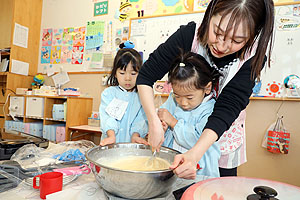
point(77, 55)
point(68, 36)
point(79, 35)
point(45, 54)
point(95, 27)
point(47, 37)
point(274, 89)
point(94, 34)
point(101, 8)
point(125, 9)
point(55, 54)
point(200, 5)
point(57, 36)
point(66, 54)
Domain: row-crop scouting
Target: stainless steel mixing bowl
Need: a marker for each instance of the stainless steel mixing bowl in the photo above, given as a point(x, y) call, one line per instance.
point(131, 184)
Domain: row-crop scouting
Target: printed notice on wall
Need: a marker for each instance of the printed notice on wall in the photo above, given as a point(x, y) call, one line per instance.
point(20, 36)
point(19, 67)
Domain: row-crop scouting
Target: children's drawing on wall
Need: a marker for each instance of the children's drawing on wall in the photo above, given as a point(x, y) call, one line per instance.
point(66, 54)
point(200, 5)
point(55, 54)
point(45, 54)
point(57, 36)
point(77, 55)
point(47, 37)
point(125, 33)
point(296, 10)
point(79, 35)
point(68, 36)
point(162, 87)
point(124, 10)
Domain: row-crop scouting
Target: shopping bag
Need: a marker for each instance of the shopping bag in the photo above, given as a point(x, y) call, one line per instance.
point(278, 138)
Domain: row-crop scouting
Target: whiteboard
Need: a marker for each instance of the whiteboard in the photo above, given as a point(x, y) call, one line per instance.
point(149, 33)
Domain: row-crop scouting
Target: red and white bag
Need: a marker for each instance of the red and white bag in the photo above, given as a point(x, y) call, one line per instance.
point(278, 139)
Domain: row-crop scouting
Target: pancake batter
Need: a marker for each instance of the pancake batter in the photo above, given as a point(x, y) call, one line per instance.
point(136, 163)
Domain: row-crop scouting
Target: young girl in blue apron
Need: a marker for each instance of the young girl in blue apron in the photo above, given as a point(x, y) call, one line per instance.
point(188, 107)
point(122, 118)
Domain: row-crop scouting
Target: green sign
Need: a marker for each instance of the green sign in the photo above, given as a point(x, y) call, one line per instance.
point(101, 8)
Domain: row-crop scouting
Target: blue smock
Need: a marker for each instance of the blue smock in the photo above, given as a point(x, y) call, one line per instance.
point(133, 121)
point(188, 130)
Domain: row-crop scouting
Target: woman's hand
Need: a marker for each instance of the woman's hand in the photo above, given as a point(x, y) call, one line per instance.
point(185, 165)
point(135, 138)
point(156, 133)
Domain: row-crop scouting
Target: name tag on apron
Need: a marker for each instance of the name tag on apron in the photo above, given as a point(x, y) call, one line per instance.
point(116, 108)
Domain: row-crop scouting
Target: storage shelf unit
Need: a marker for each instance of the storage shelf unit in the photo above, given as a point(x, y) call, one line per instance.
point(27, 13)
point(78, 110)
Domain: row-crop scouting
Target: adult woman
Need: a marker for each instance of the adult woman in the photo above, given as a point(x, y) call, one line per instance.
point(233, 37)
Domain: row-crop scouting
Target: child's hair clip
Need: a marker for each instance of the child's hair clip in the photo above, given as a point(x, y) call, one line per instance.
point(181, 64)
point(126, 45)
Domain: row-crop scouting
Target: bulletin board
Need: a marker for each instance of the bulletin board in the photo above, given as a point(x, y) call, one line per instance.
point(149, 33)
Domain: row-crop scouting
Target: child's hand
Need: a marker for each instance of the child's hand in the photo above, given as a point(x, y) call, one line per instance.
point(135, 138)
point(167, 117)
point(164, 125)
point(108, 140)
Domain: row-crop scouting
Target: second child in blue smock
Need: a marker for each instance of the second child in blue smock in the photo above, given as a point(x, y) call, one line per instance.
point(188, 107)
point(122, 118)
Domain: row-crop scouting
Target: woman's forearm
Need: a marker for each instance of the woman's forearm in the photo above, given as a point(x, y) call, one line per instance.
point(207, 138)
point(155, 132)
point(147, 100)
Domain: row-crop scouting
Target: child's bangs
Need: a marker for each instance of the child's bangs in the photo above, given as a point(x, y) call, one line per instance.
point(187, 84)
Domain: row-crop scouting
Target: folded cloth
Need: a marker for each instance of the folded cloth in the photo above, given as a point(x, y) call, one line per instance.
point(71, 155)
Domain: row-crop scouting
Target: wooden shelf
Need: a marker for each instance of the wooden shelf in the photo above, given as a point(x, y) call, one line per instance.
point(78, 110)
point(58, 120)
point(276, 98)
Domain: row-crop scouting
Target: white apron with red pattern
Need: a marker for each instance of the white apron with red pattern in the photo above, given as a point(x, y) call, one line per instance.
point(233, 141)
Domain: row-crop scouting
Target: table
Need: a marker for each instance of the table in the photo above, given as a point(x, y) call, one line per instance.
point(84, 130)
point(84, 188)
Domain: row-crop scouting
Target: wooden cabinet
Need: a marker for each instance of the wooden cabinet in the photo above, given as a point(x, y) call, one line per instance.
point(78, 109)
point(27, 13)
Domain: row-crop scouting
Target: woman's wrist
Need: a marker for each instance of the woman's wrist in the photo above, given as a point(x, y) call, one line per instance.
point(207, 138)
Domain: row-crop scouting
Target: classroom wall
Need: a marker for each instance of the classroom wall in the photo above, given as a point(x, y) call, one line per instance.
point(261, 163)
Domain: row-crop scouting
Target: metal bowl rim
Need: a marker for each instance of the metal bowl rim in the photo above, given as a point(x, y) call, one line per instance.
point(130, 171)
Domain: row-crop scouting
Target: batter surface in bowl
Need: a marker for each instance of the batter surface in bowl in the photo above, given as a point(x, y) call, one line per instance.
point(136, 163)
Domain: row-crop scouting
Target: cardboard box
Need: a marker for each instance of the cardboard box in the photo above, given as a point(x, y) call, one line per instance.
point(93, 122)
point(58, 111)
point(35, 107)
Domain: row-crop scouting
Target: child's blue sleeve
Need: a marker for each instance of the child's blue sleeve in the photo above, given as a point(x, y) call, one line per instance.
point(140, 124)
point(106, 121)
point(169, 104)
point(187, 133)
